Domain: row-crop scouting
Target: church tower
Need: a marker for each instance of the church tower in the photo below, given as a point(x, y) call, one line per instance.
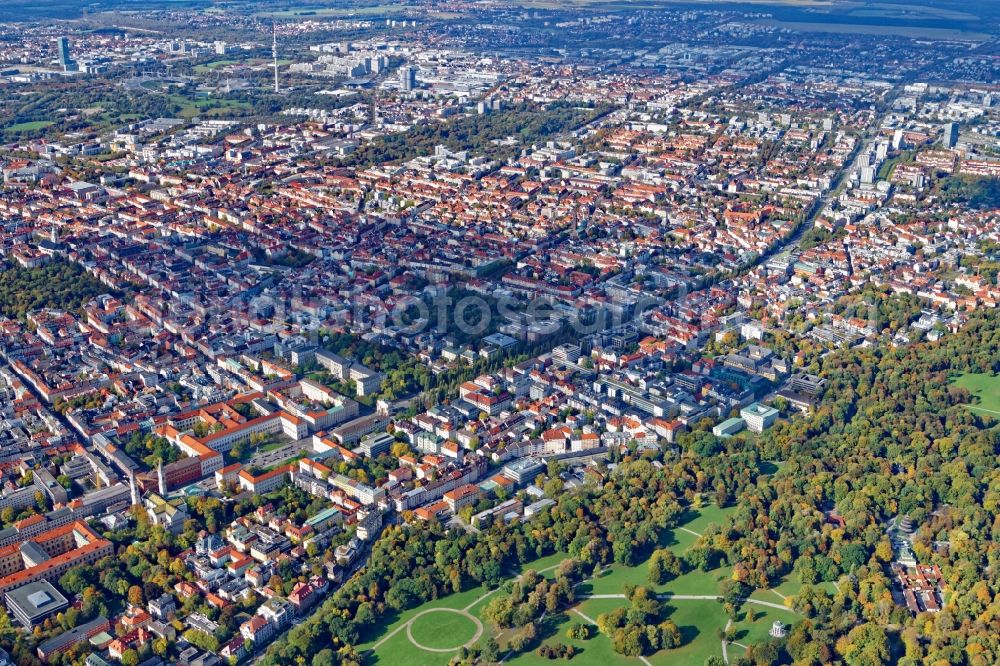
point(134, 489)
point(161, 478)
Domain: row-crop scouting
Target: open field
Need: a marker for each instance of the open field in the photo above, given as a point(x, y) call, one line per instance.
point(29, 126)
point(915, 32)
point(844, 10)
point(614, 579)
point(985, 388)
point(698, 519)
point(593, 652)
point(215, 64)
point(789, 587)
point(652, 4)
point(209, 107)
point(911, 11)
point(443, 629)
point(390, 634)
point(471, 600)
point(312, 11)
point(698, 622)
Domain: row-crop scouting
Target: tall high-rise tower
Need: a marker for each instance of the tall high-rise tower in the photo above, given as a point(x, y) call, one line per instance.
point(274, 54)
point(407, 77)
point(63, 53)
point(950, 139)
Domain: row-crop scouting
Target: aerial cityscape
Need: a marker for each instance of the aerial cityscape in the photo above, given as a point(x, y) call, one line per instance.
point(440, 332)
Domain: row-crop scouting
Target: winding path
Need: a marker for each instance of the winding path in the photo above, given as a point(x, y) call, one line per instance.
point(725, 643)
point(389, 635)
point(666, 596)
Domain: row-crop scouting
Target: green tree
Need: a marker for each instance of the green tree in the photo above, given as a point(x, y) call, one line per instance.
point(867, 645)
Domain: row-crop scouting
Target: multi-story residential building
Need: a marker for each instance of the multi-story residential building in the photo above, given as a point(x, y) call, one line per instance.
point(50, 554)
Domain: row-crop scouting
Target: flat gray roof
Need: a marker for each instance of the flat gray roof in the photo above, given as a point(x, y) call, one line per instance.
point(37, 599)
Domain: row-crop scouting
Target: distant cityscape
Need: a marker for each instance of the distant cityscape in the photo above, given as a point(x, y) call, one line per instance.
point(303, 309)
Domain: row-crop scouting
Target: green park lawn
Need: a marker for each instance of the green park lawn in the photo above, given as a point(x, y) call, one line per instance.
point(985, 389)
point(272, 446)
point(698, 519)
point(475, 599)
point(698, 620)
point(694, 583)
point(207, 106)
point(595, 651)
point(757, 630)
point(454, 601)
point(399, 650)
point(215, 64)
point(443, 629)
point(789, 587)
point(677, 540)
point(29, 126)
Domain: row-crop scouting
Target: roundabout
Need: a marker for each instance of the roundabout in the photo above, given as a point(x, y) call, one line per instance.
point(443, 630)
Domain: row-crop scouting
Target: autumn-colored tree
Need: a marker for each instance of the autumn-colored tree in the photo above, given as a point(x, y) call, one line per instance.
point(135, 595)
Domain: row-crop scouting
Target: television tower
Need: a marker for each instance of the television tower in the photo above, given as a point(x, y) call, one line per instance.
point(274, 54)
